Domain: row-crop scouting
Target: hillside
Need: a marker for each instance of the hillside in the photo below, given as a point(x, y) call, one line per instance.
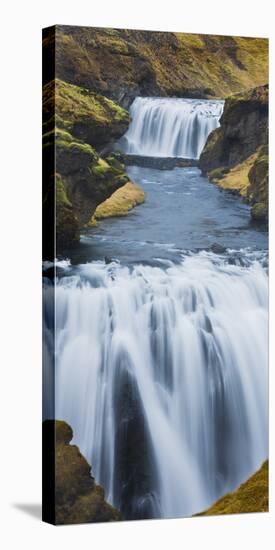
point(122, 64)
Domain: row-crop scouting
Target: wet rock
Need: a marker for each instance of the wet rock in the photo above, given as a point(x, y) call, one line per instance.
point(218, 248)
point(160, 163)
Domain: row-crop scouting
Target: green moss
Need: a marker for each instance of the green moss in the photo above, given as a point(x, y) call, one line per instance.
point(79, 111)
point(101, 169)
point(92, 222)
point(259, 212)
point(58, 134)
point(61, 196)
point(67, 227)
point(121, 201)
point(217, 173)
point(250, 497)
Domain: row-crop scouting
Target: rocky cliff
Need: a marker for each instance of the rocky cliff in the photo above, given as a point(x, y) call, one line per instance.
point(122, 64)
point(75, 122)
point(250, 497)
point(236, 154)
point(77, 497)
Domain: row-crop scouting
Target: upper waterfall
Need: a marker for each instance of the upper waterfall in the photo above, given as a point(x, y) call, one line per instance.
point(170, 127)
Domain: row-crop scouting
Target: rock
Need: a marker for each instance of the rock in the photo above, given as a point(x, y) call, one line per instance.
point(121, 201)
point(122, 64)
point(218, 248)
point(160, 163)
point(259, 212)
point(258, 188)
point(77, 497)
point(87, 116)
point(243, 129)
point(83, 179)
point(235, 156)
point(251, 496)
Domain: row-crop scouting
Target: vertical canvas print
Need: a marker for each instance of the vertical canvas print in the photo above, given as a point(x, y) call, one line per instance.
point(155, 275)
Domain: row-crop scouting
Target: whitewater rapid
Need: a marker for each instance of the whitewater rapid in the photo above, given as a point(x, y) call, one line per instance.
point(170, 127)
point(162, 374)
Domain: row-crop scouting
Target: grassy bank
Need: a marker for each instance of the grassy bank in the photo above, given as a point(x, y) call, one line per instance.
point(120, 203)
point(251, 496)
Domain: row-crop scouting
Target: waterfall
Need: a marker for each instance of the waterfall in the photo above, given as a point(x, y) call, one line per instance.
point(162, 374)
point(170, 127)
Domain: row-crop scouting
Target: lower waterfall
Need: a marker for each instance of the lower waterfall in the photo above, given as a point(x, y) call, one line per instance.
point(162, 374)
point(170, 127)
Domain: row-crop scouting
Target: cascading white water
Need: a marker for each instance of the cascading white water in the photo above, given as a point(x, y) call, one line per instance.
point(170, 127)
point(163, 376)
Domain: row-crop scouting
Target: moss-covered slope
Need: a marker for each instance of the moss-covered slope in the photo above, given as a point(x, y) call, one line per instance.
point(251, 496)
point(122, 200)
point(236, 154)
point(90, 117)
point(122, 64)
point(77, 498)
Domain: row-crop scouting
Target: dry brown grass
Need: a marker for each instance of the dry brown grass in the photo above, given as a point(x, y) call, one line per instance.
point(235, 179)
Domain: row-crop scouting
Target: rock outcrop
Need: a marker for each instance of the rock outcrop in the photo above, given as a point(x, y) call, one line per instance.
point(250, 497)
point(236, 154)
point(77, 497)
point(121, 202)
point(75, 122)
point(122, 64)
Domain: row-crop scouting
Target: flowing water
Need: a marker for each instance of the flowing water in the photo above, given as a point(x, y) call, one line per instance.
point(161, 347)
point(171, 127)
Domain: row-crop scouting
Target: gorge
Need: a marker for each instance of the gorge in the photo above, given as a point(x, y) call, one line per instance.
point(158, 379)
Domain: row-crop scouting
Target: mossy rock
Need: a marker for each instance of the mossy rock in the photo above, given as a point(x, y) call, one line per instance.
point(121, 202)
point(67, 227)
point(83, 180)
point(77, 497)
point(88, 179)
point(259, 212)
point(89, 117)
point(258, 188)
point(243, 129)
point(63, 432)
point(217, 173)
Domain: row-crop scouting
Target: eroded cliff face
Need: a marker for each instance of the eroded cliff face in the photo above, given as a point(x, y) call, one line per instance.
point(123, 64)
point(77, 497)
point(236, 154)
